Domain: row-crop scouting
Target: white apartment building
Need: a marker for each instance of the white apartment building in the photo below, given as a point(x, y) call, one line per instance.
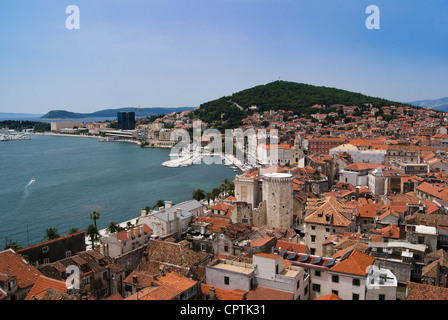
point(124, 241)
point(352, 277)
point(267, 271)
point(172, 220)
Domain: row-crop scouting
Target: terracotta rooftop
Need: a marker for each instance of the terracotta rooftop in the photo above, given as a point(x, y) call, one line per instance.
point(41, 286)
point(291, 246)
point(168, 287)
point(356, 263)
point(391, 231)
point(133, 232)
point(264, 293)
point(330, 212)
point(330, 296)
point(260, 242)
point(224, 294)
point(417, 291)
point(12, 265)
point(174, 253)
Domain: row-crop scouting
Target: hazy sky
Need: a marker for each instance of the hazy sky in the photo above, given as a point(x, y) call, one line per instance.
point(172, 53)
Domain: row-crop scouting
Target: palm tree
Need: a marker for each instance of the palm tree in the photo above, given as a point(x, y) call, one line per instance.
point(198, 194)
point(216, 192)
point(225, 185)
point(73, 230)
point(94, 215)
point(10, 244)
point(51, 233)
point(113, 227)
point(208, 197)
point(92, 233)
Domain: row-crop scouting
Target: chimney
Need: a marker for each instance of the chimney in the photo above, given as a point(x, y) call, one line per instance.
point(438, 273)
point(128, 234)
point(134, 279)
point(142, 229)
point(168, 204)
point(212, 293)
point(162, 270)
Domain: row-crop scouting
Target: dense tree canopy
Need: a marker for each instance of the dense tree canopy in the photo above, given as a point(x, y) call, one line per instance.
point(227, 112)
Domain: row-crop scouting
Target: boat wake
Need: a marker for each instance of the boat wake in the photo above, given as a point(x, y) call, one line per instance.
point(32, 181)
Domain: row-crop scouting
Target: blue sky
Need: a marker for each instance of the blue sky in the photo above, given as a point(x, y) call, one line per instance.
point(172, 53)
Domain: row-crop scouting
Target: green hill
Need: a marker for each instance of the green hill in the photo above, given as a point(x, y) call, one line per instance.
point(280, 95)
point(110, 113)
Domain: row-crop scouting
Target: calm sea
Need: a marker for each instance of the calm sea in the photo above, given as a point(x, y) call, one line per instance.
point(73, 176)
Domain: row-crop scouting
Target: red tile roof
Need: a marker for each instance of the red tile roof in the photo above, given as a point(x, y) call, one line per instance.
point(291, 246)
point(435, 190)
point(330, 296)
point(264, 293)
point(224, 294)
point(333, 209)
point(167, 287)
point(12, 265)
point(260, 242)
point(418, 291)
point(391, 231)
point(41, 286)
point(134, 232)
point(357, 263)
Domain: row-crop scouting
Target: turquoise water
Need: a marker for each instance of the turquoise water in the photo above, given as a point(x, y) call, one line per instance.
point(74, 176)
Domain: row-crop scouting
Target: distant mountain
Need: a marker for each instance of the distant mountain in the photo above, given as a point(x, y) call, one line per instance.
point(281, 95)
point(109, 113)
point(436, 104)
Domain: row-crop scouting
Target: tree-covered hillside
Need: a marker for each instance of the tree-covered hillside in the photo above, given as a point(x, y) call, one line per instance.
point(20, 125)
point(280, 95)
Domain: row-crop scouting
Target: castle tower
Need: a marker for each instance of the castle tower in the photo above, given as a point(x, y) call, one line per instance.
point(278, 197)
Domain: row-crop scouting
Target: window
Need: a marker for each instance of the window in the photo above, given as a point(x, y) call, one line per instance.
point(355, 296)
point(382, 297)
point(276, 269)
point(336, 292)
point(105, 275)
point(226, 248)
point(316, 287)
point(46, 260)
point(335, 278)
point(226, 280)
point(356, 282)
point(203, 246)
point(68, 253)
point(298, 284)
point(45, 249)
point(12, 284)
point(317, 273)
point(313, 238)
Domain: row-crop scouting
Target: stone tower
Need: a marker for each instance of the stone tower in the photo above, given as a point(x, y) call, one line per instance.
point(278, 198)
